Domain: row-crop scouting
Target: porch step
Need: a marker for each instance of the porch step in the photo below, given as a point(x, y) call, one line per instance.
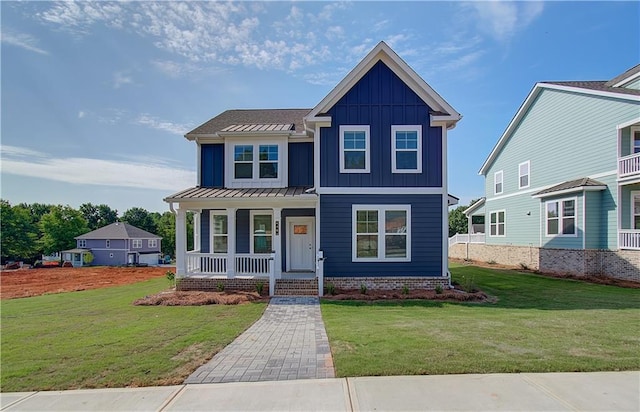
point(296, 287)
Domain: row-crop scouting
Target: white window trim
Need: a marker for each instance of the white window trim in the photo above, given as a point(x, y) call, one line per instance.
point(561, 217)
point(495, 182)
point(107, 243)
point(136, 243)
point(152, 243)
point(504, 211)
point(528, 163)
point(256, 181)
point(212, 235)
point(252, 213)
point(406, 128)
point(82, 243)
point(381, 209)
point(367, 151)
point(632, 131)
point(634, 193)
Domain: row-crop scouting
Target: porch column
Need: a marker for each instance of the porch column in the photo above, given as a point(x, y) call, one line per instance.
point(231, 242)
point(196, 231)
point(181, 242)
point(277, 241)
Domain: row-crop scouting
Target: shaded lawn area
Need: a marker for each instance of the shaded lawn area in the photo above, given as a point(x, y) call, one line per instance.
point(538, 324)
point(97, 338)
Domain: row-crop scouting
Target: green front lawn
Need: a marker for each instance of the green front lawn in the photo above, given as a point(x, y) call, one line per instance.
point(97, 338)
point(538, 324)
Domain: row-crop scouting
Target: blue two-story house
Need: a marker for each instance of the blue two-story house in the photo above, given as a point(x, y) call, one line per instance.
point(350, 192)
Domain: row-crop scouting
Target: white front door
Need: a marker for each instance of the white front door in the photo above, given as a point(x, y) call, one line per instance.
point(300, 244)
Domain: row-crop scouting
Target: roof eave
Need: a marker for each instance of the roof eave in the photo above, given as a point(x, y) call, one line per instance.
point(569, 191)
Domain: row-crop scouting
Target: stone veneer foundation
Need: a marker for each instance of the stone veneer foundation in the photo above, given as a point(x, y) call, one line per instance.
point(619, 264)
point(388, 283)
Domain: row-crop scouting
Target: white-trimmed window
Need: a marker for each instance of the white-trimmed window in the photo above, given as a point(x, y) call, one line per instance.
point(497, 225)
point(268, 161)
point(219, 232)
point(635, 209)
point(355, 150)
point(82, 243)
point(524, 170)
point(136, 243)
point(243, 161)
point(498, 182)
point(261, 231)
point(560, 217)
point(153, 243)
point(635, 140)
point(381, 233)
point(406, 149)
point(256, 162)
point(107, 243)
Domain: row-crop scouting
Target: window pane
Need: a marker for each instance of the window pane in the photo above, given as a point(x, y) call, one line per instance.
point(262, 244)
point(494, 229)
point(501, 229)
point(636, 205)
point(262, 224)
point(355, 140)
point(568, 208)
point(243, 170)
point(552, 209)
point(367, 246)
point(395, 221)
point(268, 152)
point(219, 224)
point(524, 181)
point(636, 222)
point(367, 221)
point(500, 217)
point(243, 153)
point(395, 246)
point(498, 187)
point(494, 217)
point(552, 226)
point(219, 244)
point(407, 160)
point(569, 226)
point(268, 170)
point(636, 141)
point(354, 160)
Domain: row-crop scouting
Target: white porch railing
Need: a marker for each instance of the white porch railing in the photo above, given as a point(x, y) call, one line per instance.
point(254, 265)
point(245, 264)
point(629, 239)
point(629, 165)
point(465, 238)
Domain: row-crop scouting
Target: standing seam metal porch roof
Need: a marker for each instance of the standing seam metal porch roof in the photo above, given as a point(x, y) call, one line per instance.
point(198, 192)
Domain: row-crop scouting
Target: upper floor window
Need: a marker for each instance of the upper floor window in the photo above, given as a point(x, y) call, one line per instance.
point(82, 243)
point(268, 158)
point(354, 149)
point(243, 161)
point(635, 137)
point(153, 243)
point(136, 243)
point(561, 217)
point(261, 232)
point(256, 164)
point(497, 182)
point(219, 232)
point(498, 224)
point(523, 174)
point(406, 149)
point(381, 233)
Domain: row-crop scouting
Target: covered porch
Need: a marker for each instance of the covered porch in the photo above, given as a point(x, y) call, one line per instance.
point(629, 215)
point(262, 234)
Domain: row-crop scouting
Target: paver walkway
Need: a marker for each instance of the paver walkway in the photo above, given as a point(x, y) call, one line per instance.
point(288, 342)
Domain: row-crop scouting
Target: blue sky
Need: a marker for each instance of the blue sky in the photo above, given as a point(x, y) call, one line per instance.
point(97, 96)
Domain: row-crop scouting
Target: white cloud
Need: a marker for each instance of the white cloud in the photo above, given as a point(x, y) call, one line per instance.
point(120, 79)
point(153, 122)
point(81, 114)
point(143, 172)
point(503, 19)
point(25, 41)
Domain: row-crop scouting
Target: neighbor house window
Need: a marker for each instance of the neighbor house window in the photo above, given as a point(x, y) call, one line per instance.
point(561, 217)
point(497, 182)
point(82, 243)
point(219, 233)
point(261, 232)
point(354, 149)
point(136, 243)
point(381, 233)
point(406, 149)
point(497, 226)
point(108, 243)
point(243, 161)
point(635, 209)
point(268, 158)
point(523, 174)
point(635, 137)
point(153, 243)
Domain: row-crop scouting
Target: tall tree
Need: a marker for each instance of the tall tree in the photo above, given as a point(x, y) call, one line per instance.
point(166, 224)
point(19, 233)
point(140, 218)
point(458, 222)
point(59, 228)
point(98, 216)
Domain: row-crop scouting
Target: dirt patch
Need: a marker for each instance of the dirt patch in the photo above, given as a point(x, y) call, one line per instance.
point(598, 279)
point(35, 282)
point(197, 298)
point(379, 295)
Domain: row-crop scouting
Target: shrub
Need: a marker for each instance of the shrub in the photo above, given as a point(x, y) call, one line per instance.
point(220, 287)
point(171, 277)
point(468, 284)
point(405, 290)
point(363, 288)
point(331, 289)
point(259, 287)
point(438, 289)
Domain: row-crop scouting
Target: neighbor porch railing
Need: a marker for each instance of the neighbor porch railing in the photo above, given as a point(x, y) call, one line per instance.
point(629, 165)
point(465, 238)
point(629, 239)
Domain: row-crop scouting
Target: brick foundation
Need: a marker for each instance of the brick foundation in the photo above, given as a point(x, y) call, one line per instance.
point(210, 284)
point(388, 283)
point(620, 264)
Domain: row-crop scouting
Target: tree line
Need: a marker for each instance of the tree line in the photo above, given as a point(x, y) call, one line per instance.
point(31, 230)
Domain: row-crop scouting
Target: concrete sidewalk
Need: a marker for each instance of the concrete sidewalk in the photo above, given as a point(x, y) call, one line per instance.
point(594, 391)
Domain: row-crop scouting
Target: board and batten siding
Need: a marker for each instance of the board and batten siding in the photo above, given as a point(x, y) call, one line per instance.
point(301, 164)
point(380, 100)
point(337, 228)
point(212, 165)
point(565, 136)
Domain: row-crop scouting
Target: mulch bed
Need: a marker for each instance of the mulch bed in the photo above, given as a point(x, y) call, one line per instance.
point(456, 295)
point(197, 298)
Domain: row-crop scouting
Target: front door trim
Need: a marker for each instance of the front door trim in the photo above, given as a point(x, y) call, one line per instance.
point(301, 220)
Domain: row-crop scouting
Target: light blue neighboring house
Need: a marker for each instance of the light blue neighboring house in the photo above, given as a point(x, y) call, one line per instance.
point(562, 184)
point(117, 244)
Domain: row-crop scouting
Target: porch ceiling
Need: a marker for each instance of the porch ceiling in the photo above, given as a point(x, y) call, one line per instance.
point(260, 194)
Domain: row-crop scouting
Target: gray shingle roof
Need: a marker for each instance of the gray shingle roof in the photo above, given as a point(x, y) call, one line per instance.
point(119, 230)
point(597, 85)
point(218, 193)
point(635, 69)
point(252, 117)
point(572, 184)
